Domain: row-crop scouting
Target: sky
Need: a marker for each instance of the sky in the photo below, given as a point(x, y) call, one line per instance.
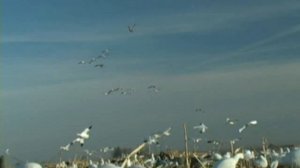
point(236, 59)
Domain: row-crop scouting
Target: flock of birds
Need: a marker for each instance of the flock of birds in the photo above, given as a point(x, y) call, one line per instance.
point(271, 157)
point(94, 61)
point(266, 158)
point(241, 158)
point(104, 54)
point(202, 128)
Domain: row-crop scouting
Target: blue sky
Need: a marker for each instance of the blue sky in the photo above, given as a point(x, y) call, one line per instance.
point(234, 59)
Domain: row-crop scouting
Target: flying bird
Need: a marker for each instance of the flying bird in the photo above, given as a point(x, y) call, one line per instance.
point(66, 148)
point(82, 62)
point(104, 53)
point(233, 141)
point(99, 65)
point(152, 140)
point(112, 90)
point(214, 142)
point(156, 136)
point(196, 140)
point(199, 110)
point(106, 149)
point(85, 133)
point(167, 132)
point(154, 88)
point(231, 121)
point(202, 128)
point(250, 123)
point(128, 91)
point(79, 140)
point(131, 28)
point(92, 60)
point(81, 137)
point(90, 153)
point(7, 151)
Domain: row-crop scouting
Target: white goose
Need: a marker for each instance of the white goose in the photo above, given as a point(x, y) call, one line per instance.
point(261, 162)
point(229, 162)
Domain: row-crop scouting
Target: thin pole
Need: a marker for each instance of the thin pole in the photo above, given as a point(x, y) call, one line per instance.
point(132, 153)
point(186, 147)
point(231, 147)
point(60, 156)
point(264, 146)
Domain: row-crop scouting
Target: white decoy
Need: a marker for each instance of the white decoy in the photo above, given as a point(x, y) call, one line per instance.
point(73, 165)
point(281, 151)
point(291, 159)
point(274, 154)
point(261, 162)
point(288, 150)
point(253, 122)
point(110, 165)
point(274, 164)
point(92, 164)
point(230, 162)
point(85, 133)
point(217, 156)
point(150, 162)
point(227, 155)
point(201, 128)
point(248, 155)
point(32, 165)
point(137, 166)
point(61, 165)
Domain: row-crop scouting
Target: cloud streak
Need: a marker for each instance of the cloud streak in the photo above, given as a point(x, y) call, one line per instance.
point(205, 21)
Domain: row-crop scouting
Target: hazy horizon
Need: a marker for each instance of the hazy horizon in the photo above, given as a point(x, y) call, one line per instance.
point(233, 59)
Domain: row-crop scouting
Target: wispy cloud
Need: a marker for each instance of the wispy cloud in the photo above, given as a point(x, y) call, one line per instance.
point(255, 47)
point(205, 21)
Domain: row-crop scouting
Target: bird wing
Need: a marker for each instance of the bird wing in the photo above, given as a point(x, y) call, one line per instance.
point(85, 131)
point(88, 129)
point(167, 132)
point(254, 122)
point(242, 128)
